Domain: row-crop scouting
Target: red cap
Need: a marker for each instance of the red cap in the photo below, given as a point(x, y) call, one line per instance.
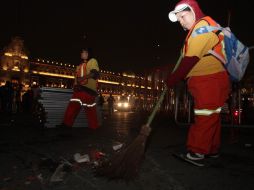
point(182, 5)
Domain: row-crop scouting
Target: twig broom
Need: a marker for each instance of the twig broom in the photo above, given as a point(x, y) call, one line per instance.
point(125, 164)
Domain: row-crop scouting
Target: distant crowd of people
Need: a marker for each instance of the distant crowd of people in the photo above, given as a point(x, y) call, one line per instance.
point(13, 98)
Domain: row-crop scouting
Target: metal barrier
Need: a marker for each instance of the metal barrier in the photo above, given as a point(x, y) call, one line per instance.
point(183, 107)
point(55, 101)
point(232, 115)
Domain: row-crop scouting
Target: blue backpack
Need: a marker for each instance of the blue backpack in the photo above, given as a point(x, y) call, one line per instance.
point(237, 54)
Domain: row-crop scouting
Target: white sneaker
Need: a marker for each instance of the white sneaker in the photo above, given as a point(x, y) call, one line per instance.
point(195, 156)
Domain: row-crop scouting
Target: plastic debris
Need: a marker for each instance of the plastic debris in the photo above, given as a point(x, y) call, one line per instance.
point(117, 147)
point(27, 182)
point(248, 145)
point(40, 178)
point(81, 158)
point(95, 163)
point(96, 155)
point(58, 174)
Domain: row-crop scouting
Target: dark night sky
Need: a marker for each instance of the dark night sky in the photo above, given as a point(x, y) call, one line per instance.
point(124, 35)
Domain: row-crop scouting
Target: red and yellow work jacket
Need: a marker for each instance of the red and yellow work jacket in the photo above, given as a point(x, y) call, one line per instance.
point(83, 70)
point(200, 45)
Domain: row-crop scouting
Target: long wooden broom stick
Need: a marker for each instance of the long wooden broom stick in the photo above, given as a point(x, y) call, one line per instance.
point(125, 164)
point(156, 107)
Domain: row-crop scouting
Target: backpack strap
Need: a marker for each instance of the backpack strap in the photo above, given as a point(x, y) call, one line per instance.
point(218, 56)
point(205, 29)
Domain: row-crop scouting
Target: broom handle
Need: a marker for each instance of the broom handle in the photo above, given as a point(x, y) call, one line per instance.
point(156, 107)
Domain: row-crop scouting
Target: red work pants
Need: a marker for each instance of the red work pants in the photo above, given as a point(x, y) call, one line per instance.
point(74, 108)
point(209, 92)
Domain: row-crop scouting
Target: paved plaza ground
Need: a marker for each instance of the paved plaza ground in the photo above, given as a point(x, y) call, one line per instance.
point(30, 156)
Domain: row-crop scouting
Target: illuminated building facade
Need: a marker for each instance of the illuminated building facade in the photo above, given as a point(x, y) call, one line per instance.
point(14, 63)
point(144, 90)
point(17, 67)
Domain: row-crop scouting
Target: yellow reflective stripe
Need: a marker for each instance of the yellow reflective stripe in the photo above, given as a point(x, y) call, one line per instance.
point(81, 70)
point(81, 103)
point(206, 111)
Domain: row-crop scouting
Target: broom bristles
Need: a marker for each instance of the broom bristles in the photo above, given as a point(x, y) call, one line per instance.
point(126, 163)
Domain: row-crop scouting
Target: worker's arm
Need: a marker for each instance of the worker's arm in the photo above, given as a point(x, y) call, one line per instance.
point(182, 71)
point(94, 74)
